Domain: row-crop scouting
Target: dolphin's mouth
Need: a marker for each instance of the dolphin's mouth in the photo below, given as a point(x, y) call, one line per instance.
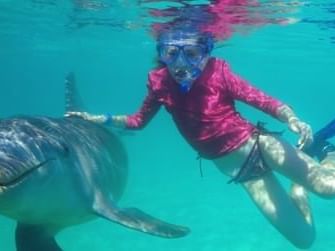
point(9, 177)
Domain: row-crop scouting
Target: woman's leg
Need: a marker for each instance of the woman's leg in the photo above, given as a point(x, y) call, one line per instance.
point(298, 166)
point(289, 213)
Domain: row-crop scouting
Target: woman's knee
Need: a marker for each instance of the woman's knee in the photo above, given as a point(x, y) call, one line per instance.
point(321, 183)
point(327, 194)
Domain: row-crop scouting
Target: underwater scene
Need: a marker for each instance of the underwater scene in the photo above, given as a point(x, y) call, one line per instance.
point(285, 48)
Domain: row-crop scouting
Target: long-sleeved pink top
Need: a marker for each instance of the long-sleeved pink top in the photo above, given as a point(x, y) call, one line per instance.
point(206, 115)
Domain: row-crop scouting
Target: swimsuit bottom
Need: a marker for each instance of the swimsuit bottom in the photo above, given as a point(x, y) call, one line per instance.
point(254, 166)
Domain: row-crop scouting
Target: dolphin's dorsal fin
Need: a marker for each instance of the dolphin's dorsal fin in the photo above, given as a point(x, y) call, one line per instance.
point(72, 97)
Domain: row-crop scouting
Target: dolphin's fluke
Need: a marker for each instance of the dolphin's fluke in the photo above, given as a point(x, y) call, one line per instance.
point(34, 238)
point(136, 219)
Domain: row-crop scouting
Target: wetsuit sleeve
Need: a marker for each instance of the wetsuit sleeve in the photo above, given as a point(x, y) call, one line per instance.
point(147, 111)
point(241, 90)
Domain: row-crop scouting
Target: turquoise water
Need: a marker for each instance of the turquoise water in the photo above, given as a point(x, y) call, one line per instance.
point(109, 47)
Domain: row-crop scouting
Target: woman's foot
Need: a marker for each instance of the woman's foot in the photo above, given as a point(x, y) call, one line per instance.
point(321, 146)
point(319, 149)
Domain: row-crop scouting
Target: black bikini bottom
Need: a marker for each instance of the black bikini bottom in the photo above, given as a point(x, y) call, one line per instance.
point(254, 166)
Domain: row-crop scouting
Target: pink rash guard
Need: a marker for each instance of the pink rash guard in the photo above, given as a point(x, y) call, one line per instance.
point(206, 115)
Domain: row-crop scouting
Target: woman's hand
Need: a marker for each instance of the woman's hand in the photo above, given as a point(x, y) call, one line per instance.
point(100, 119)
point(108, 120)
point(286, 115)
point(303, 129)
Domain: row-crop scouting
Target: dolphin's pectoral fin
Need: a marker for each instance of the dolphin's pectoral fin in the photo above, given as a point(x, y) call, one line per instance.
point(136, 219)
point(34, 238)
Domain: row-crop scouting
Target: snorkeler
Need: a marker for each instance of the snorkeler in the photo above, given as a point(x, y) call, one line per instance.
point(199, 91)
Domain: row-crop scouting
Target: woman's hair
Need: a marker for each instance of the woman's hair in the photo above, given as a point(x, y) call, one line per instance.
point(177, 34)
point(183, 33)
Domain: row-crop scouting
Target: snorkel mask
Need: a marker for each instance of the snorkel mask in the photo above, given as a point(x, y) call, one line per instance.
point(185, 53)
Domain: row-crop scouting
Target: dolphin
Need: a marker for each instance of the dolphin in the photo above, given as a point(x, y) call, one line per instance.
point(59, 172)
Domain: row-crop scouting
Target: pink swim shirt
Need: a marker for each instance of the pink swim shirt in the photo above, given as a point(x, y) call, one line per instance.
point(206, 115)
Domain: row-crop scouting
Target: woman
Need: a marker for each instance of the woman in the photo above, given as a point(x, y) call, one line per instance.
point(199, 92)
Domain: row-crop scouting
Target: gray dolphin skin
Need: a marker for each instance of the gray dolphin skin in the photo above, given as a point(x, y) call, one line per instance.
point(59, 172)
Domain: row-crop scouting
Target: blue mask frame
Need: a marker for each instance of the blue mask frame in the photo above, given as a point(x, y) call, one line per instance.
point(205, 41)
point(186, 51)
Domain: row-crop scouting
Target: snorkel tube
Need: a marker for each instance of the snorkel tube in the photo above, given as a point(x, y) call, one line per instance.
point(185, 85)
